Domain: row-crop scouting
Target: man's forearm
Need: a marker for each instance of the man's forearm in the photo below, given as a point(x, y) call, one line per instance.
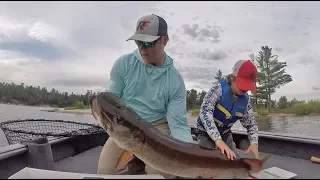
point(253, 137)
point(177, 115)
point(177, 122)
point(253, 133)
point(248, 121)
point(182, 132)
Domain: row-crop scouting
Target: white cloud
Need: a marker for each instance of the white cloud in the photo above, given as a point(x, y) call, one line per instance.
point(72, 46)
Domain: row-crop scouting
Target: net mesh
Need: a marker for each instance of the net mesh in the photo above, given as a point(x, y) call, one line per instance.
point(17, 130)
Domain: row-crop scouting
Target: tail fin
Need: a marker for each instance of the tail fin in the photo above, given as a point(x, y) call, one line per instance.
point(255, 164)
point(265, 159)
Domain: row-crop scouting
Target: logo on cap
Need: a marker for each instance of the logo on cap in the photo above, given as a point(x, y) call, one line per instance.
point(142, 25)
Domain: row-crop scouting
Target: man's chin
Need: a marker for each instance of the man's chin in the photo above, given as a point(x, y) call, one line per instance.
point(147, 60)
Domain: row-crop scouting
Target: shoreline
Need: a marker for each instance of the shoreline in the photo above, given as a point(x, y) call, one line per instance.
point(288, 115)
point(62, 110)
point(88, 111)
point(280, 115)
point(81, 111)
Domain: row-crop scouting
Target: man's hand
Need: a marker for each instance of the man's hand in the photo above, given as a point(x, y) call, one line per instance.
point(224, 148)
point(254, 149)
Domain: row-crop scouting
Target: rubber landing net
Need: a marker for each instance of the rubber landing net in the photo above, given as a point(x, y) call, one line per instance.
point(17, 130)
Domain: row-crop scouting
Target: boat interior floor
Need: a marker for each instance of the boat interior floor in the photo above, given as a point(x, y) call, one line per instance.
point(87, 162)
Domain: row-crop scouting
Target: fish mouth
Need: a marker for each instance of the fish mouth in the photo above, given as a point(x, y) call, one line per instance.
point(113, 107)
point(93, 108)
point(90, 99)
point(107, 99)
point(104, 119)
point(110, 111)
point(115, 117)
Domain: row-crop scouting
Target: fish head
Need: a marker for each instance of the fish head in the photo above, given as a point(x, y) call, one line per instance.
point(113, 116)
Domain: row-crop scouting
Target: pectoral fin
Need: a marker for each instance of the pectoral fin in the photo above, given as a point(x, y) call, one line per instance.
point(124, 159)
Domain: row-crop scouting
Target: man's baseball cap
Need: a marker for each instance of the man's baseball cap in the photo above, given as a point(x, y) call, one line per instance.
point(149, 28)
point(246, 74)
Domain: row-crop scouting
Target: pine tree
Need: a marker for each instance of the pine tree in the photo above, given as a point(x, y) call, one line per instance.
point(272, 74)
point(218, 75)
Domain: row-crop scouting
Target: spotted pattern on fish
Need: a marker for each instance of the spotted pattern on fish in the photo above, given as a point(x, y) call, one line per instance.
point(206, 115)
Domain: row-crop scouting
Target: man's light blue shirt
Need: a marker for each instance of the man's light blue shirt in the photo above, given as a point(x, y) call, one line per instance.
point(154, 92)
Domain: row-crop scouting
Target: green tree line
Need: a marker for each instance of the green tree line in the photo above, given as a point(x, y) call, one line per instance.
point(12, 93)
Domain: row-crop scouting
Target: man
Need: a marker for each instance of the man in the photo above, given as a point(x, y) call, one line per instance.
point(225, 103)
point(147, 80)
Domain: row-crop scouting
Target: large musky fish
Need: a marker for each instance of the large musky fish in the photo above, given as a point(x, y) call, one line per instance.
point(162, 151)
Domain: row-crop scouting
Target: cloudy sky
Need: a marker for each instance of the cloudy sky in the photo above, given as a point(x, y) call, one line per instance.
point(72, 46)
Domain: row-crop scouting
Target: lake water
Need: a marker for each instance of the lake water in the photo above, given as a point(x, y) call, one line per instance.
point(306, 125)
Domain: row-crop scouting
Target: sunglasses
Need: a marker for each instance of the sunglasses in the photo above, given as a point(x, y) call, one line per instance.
point(146, 44)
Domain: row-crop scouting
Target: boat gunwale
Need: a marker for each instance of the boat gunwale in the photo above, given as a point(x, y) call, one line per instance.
point(279, 136)
point(17, 149)
point(284, 137)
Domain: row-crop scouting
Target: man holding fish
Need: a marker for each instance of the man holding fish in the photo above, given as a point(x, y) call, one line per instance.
point(161, 151)
point(147, 81)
